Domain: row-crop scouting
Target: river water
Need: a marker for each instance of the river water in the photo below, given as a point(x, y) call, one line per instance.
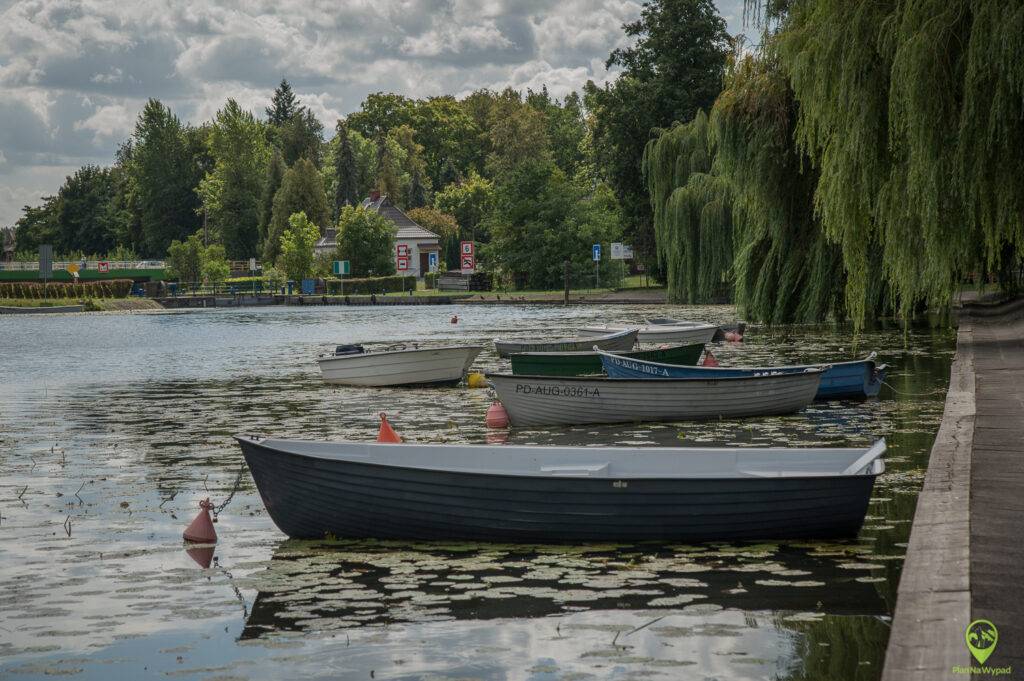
point(114, 426)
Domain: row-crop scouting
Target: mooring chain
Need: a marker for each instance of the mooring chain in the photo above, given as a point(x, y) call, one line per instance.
point(238, 483)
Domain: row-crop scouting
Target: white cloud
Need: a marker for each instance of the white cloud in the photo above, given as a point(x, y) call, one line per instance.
point(114, 121)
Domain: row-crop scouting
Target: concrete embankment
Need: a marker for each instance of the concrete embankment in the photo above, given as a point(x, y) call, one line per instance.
point(965, 558)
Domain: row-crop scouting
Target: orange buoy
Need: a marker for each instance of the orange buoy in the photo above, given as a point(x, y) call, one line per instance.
point(201, 529)
point(455, 319)
point(497, 417)
point(709, 360)
point(387, 433)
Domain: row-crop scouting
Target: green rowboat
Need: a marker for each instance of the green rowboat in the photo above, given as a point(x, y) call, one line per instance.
point(589, 362)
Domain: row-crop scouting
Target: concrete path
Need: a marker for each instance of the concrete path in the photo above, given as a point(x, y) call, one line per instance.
point(965, 558)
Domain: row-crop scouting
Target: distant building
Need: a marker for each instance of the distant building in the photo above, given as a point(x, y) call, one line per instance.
point(418, 242)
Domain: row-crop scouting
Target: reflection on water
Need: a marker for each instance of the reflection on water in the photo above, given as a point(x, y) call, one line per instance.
point(113, 427)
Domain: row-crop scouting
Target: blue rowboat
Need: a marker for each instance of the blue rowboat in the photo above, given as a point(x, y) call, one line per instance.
point(858, 380)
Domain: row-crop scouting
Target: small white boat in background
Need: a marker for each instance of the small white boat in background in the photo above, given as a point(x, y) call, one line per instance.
point(686, 333)
point(618, 340)
point(352, 365)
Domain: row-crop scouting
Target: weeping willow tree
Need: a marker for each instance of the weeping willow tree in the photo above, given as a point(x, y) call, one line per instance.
point(785, 268)
point(692, 212)
point(733, 204)
point(913, 113)
point(870, 144)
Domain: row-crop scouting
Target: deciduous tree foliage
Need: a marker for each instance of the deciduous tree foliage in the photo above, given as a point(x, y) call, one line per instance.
point(541, 219)
point(231, 192)
point(367, 240)
point(167, 165)
point(673, 70)
point(297, 259)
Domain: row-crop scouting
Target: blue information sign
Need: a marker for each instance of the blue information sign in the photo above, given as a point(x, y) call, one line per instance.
point(597, 252)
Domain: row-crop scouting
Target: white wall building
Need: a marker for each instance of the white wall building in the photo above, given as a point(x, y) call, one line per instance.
point(418, 242)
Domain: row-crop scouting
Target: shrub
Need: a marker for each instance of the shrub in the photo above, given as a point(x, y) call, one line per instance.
point(368, 285)
point(109, 288)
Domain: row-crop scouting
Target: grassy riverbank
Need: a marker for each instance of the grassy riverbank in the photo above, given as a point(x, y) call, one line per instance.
point(91, 304)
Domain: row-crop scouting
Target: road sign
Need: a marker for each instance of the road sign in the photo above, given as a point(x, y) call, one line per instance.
point(252, 264)
point(621, 252)
point(103, 267)
point(402, 264)
point(403, 250)
point(342, 267)
point(432, 261)
point(597, 252)
point(45, 261)
point(468, 264)
point(468, 248)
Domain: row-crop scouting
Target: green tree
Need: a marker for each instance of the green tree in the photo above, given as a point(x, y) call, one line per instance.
point(38, 225)
point(412, 179)
point(470, 201)
point(283, 105)
point(298, 241)
point(301, 136)
point(231, 192)
point(167, 166)
point(346, 176)
point(185, 259)
point(673, 69)
point(215, 265)
point(301, 191)
point(541, 219)
point(565, 126)
point(379, 113)
point(271, 183)
point(367, 240)
point(446, 133)
point(518, 133)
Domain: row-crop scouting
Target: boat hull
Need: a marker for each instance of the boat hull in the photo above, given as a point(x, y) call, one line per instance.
point(309, 498)
point(422, 366)
point(843, 380)
point(612, 341)
point(583, 363)
point(546, 400)
point(658, 333)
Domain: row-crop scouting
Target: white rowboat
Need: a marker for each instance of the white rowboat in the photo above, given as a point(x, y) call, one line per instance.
point(549, 400)
point(415, 366)
point(613, 341)
point(685, 334)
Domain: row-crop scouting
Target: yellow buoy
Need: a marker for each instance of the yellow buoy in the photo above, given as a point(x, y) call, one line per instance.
point(476, 380)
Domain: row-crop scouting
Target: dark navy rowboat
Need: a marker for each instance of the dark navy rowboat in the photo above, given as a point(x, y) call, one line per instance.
point(560, 494)
point(859, 379)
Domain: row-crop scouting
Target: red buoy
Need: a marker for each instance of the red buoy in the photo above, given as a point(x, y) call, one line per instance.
point(733, 337)
point(201, 529)
point(386, 432)
point(709, 360)
point(497, 417)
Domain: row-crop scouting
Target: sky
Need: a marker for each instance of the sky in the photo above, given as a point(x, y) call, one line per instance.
point(74, 74)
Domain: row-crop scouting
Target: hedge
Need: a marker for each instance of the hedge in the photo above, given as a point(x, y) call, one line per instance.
point(371, 285)
point(108, 288)
point(430, 279)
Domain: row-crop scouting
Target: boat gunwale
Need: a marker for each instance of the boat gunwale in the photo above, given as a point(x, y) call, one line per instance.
point(810, 371)
point(870, 359)
point(876, 463)
point(378, 353)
